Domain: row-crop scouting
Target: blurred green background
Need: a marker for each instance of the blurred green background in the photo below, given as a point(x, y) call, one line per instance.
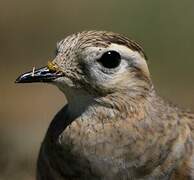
point(29, 30)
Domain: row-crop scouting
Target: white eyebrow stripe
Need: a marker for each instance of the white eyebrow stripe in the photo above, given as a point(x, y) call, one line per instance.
point(128, 53)
point(122, 48)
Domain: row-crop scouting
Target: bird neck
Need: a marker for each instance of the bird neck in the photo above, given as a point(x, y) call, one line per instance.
point(121, 105)
point(78, 105)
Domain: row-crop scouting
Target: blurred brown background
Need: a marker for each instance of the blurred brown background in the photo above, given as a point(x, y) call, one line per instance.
point(29, 30)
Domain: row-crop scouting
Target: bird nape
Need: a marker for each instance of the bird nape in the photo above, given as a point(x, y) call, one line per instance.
point(114, 125)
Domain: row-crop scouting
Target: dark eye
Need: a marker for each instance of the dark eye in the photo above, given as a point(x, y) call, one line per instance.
point(110, 59)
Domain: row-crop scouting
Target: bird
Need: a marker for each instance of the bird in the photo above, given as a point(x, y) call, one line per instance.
point(115, 125)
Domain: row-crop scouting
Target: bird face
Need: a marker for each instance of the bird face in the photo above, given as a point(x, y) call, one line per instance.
point(95, 62)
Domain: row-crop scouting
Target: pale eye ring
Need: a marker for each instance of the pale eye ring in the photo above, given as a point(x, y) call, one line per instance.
point(110, 59)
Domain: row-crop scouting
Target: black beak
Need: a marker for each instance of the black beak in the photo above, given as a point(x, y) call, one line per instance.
point(39, 75)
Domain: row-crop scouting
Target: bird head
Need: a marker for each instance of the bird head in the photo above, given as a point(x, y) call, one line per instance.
point(96, 63)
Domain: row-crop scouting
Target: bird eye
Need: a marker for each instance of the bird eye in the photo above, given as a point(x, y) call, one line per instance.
point(110, 59)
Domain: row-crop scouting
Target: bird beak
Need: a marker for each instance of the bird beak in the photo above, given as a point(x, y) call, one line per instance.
point(44, 74)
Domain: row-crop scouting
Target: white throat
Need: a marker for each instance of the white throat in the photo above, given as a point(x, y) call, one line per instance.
point(78, 101)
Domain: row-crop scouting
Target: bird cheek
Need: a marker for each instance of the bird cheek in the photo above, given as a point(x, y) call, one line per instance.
point(120, 80)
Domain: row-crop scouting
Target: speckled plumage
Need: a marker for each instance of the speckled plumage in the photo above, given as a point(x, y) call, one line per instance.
point(115, 126)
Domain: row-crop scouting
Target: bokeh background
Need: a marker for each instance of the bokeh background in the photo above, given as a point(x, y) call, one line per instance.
point(29, 30)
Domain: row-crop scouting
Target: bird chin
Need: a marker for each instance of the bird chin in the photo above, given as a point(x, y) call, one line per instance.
point(71, 91)
point(63, 82)
point(65, 85)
